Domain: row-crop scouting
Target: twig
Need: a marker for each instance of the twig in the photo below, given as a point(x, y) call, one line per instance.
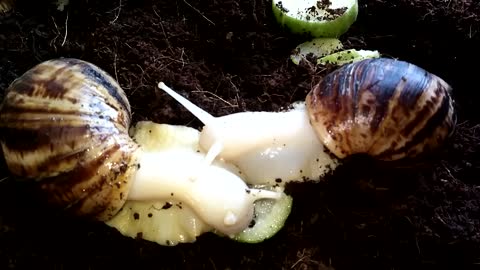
point(240, 104)
point(163, 30)
point(118, 13)
point(216, 96)
point(253, 12)
point(302, 257)
point(52, 42)
point(448, 171)
point(66, 31)
point(213, 263)
point(115, 65)
point(198, 11)
point(181, 58)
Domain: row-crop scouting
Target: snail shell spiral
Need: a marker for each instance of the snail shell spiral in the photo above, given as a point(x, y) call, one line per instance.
point(386, 108)
point(64, 124)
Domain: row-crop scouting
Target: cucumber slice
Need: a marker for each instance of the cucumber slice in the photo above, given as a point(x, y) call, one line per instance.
point(167, 223)
point(347, 57)
point(317, 47)
point(270, 216)
point(316, 18)
point(157, 137)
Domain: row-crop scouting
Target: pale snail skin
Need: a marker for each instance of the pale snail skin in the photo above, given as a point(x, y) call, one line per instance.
point(388, 109)
point(270, 148)
point(64, 124)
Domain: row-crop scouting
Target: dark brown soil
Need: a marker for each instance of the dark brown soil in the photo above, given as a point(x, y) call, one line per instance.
point(230, 56)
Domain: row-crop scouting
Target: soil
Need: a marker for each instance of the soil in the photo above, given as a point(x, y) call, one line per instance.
point(230, 56)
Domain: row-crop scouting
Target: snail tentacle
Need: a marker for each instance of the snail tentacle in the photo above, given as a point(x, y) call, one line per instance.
point(268, 147)
point(206, 118)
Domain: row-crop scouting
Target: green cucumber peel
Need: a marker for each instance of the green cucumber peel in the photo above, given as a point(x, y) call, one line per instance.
point(317, 47)
point(322, 18)
point(270, 217)
point(347, 56)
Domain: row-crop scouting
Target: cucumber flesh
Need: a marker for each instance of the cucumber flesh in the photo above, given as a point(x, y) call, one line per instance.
point(270, 217)
point(347, 57)
point(317, 48)
point(316, 18)
point(168, 222)
point(165, 222)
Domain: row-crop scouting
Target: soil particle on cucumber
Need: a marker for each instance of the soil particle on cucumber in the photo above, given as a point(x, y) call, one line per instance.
point(328, 13)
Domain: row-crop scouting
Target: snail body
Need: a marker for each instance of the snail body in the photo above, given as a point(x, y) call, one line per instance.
point(385, 108)
point(64, 126)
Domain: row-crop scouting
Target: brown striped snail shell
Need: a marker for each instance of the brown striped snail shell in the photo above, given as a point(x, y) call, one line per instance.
point(6, 6)
point(385, 108)
point(64, 124)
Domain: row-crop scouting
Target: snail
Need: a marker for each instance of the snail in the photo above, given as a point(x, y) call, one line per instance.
point(385, 108)
point(64, 127)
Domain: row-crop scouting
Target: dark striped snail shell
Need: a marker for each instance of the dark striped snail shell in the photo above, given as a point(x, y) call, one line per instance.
point(385, 108)
point(64, 124)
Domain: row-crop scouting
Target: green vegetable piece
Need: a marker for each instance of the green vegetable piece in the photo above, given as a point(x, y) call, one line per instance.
point(270, 216)
point(317, 47)
point(164, 222)
point(170, 222)
point(347, 56)
point(316, 18)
